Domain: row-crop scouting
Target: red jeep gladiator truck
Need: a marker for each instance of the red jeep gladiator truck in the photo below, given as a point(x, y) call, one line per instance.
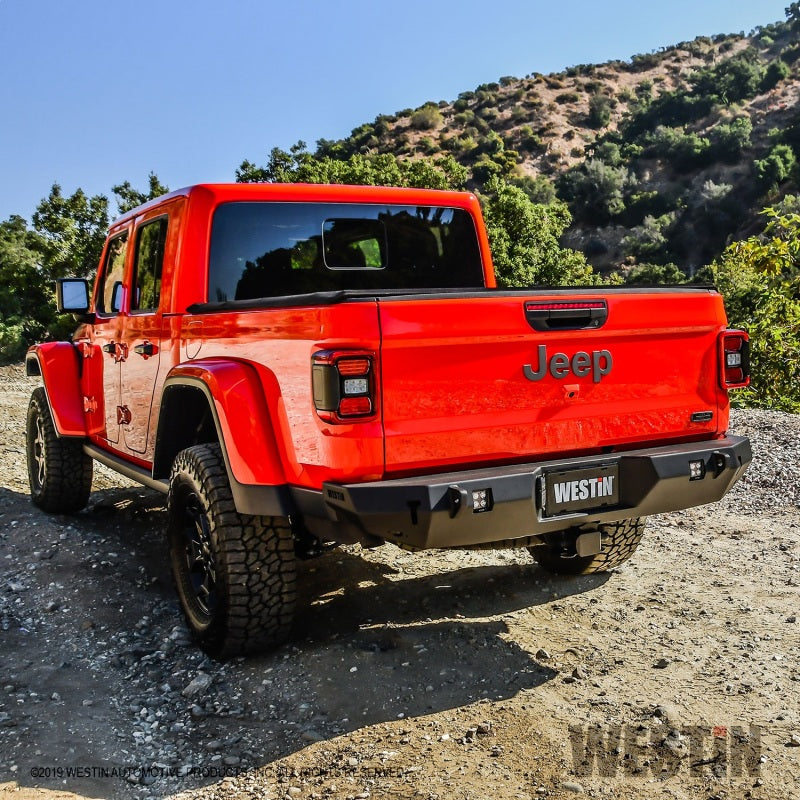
point(298, 365)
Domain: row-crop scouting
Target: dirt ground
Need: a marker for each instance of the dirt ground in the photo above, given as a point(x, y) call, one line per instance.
point(439, 675)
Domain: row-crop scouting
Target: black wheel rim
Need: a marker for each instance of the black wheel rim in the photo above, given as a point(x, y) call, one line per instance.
point(201, 568)
point(38, 467)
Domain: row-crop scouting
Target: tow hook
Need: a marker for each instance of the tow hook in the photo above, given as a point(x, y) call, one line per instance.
point(719, 461)
point(580, 545)
point(589, 544)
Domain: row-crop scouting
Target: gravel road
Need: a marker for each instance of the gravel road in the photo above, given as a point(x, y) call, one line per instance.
point(437, 675)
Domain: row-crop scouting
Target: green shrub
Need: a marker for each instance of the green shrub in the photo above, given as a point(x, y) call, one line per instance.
point(732, 80)
point(599, 110)
point(529, 140)
point(427, 146)
point(538, 189)
point(655, 275)
point(518, 113)
point(667, 110)
point(760, 279)
point(644, 61)
point(649, 238)
point(777, 71)
point(426, 118)
point(648, 203)
point(730, 138)
point(596, 190)
point(776, 167)
point(524, 238)
point(684, 151)
point(13, 342)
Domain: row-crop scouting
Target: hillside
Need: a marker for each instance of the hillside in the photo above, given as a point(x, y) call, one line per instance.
point(662, 158)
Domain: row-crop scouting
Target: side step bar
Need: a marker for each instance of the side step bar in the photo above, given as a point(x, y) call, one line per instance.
point(127, 469)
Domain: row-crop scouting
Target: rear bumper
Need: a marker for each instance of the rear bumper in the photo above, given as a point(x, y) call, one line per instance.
point(436, 511)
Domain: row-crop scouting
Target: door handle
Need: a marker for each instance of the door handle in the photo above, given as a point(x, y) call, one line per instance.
point(146, 349)
point(117, 349)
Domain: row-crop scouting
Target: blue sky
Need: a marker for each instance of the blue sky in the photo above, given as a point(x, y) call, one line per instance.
point(95, 92)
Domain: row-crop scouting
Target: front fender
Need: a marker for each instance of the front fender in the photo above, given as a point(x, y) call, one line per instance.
point(59, 364)
point(241, 415)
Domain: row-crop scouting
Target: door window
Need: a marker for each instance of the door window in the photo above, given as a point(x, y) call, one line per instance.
point(150, 240)
point(109, 298)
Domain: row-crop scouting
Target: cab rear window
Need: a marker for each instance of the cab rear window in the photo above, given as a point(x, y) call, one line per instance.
point(273, 249)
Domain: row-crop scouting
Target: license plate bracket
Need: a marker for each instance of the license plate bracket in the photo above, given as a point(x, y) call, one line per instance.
point(586, 488)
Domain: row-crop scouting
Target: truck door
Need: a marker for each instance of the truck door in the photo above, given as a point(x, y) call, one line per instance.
point(103, 355)
point(142, 332)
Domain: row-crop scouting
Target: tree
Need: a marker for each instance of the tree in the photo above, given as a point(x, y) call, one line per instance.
point(71, 232)
point(776, 167)
point(684, 150)
point(650, 238)
point(524, 238)
point(539, 189)
point(373, 169)
point(760, 278)
point(599, 110)
point(730, 138)
point(777, 71)
point(523, 235)
point(596, 190)
point(733, 80)
point(66, 241)
point(793, 15)
point(128, 197)
point(25, 297)
point(655, 275)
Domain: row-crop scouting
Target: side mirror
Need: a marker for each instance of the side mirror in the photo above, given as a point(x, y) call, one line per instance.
point(72, 295)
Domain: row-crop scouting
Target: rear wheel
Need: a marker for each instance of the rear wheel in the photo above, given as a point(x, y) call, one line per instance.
point(59, 472)
point(235, 573)
point(619, 543)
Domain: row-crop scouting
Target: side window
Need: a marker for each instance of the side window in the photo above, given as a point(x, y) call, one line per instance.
point(148, 261)
point(110, 294)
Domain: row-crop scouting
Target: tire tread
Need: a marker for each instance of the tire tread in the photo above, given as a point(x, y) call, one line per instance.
point(255, 559)
point(68, 470)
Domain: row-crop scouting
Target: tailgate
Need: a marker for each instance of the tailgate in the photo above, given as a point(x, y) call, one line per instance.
point(469, 380)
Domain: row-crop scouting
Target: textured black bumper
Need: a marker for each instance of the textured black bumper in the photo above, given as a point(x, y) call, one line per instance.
point(434, 511)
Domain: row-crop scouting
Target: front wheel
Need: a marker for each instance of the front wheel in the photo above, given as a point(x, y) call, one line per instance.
point(619, 542)
point(235, 573)
point(59, 472)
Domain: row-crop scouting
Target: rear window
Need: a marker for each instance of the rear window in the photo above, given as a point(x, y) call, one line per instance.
point(270, 249)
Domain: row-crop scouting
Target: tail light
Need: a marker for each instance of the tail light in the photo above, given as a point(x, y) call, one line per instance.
point(343, 382)
point(734, 359)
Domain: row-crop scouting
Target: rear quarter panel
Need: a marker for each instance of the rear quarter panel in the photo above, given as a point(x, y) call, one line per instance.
point(279, 344)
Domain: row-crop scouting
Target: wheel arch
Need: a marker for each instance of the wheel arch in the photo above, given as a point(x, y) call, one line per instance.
point(59, 365)
point(223, 401)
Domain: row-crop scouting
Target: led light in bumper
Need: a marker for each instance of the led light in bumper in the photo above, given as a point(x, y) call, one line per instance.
point(697, 470)
point(481, 500)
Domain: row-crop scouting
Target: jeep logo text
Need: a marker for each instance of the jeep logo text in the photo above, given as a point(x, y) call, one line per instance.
point(597, 363)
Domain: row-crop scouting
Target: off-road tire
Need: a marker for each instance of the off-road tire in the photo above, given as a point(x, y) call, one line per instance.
point(235, 573)
point(59, 472)
point(619, 540)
